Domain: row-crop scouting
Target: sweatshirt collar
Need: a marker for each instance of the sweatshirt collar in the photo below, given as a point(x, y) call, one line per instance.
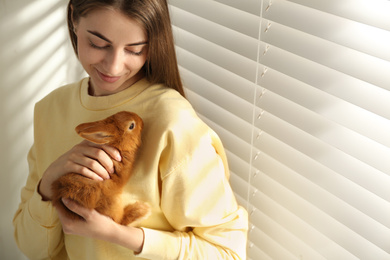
point(107, 102)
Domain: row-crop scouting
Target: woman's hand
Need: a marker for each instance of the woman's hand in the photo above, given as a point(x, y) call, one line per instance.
point(94, 225)
point(98, 226)
point(86, 158)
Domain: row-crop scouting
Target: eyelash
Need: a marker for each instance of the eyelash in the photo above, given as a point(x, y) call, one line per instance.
point(106, 47)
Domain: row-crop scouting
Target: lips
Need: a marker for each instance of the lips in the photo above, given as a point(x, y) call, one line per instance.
point(106, 78)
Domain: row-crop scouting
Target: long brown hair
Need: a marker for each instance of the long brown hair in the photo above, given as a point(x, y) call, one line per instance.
point(161, 63)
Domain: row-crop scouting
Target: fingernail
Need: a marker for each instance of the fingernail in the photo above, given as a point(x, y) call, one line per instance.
point(65, 200)
point(118, 158)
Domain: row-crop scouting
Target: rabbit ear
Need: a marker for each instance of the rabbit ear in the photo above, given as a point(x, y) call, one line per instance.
point(97, 132)
point(98, 137)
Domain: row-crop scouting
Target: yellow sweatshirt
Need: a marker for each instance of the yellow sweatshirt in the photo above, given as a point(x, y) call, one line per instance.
point(182, 173)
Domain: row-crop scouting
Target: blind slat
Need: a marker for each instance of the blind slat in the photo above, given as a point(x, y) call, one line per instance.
point(271, 247)
point(341, 138)
point(239, 185)
point(297, 67)
point(359, 173)
point(231, 82)
point(226, 37)
point(334, 230)
point(301, 229)
point(333, 206)
point(333, 28)
point(294, 242)
point(249, 6)
point(232, 142)
point(321, 97)
point(373, 12)
point(222, 98)
point(236, 124)
point(227, 59)
point(221, 14)
point(329, 54)
point(330, 189)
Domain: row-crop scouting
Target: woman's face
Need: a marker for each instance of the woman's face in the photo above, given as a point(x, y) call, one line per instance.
point(112, 48)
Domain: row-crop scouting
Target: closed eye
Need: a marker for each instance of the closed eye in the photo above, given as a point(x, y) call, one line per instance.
point(134, 53)
point(98, 47)
point(108, 46)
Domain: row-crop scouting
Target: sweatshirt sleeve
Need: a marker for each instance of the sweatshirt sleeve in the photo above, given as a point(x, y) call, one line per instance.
point(38, 232)
point(200, 205)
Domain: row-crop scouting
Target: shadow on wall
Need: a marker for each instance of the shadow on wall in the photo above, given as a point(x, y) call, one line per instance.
point(35, 57)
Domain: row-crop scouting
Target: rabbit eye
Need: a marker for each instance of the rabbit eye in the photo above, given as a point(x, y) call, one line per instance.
point(132, 125)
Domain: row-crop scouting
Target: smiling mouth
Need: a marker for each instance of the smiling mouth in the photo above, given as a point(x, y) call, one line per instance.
point(106, 78)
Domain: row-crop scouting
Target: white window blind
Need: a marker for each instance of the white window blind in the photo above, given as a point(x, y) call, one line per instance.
point(299, 92)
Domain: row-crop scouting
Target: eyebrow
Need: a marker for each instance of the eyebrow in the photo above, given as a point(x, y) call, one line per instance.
point(97, 34)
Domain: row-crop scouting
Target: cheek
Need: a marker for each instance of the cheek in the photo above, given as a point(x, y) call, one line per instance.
point(87, 55)
point(136, 63)
point(88, 58)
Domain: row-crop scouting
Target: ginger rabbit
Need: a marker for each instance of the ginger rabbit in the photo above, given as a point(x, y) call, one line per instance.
point(122, 131)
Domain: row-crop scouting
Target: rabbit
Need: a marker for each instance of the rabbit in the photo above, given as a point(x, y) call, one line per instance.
point(122, 131)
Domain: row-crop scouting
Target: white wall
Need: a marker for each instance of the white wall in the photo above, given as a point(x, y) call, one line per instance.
point(35, 58)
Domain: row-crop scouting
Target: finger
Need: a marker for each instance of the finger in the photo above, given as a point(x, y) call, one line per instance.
point(104, 154)
point(97, 160)
point(76, 208)
point(113, 152)
point(86, 172)
point(92, 163)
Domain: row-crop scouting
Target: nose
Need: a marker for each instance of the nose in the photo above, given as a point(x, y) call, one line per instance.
point(114, 62)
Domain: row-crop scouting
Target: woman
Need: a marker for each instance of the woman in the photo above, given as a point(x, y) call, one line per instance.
point(127, 49)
